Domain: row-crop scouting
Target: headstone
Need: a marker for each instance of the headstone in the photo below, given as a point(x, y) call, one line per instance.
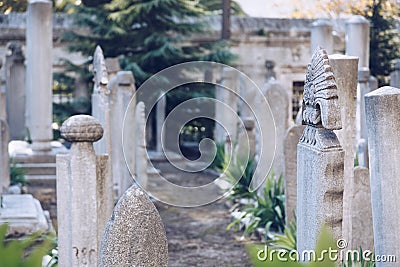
point(291, 140)
point(278, 101)
point(15, 90)
point(84, 193)
point(383, 122)
point(345, 71)
point(322, 36)
point(134, 235)
point(362, 153)
point(122, 89)
point(3, 112)
point(357, 40)
point(4, 158)
point(160, 113)
point(395, 75)
point(226, 94)
point(364, 88)
point(39, 46)
point(320, 158)
point(362, 230)
point(140, 146)
point(113, 67)
point(246, 141)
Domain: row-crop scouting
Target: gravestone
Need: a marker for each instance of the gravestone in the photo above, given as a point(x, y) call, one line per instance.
point(15, 90)
point(134, 235)
point(395, 75)
point(357, 39)
point(320, 158)
point(362, 229)
point(364, 88)
point(362, 153)
point(160, 119)
point(291, 140)
point(246, 140)
point(345, 71)
point(4, 158)
point(122, 89)
point(140, 146)
point(84, 193)
point(322, 36)
point(383, 122)
point(39, 46)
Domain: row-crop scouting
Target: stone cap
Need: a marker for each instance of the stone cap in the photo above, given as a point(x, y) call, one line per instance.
point(363, 74)
point(82, 128)
point(384, 91)
point(321, 23)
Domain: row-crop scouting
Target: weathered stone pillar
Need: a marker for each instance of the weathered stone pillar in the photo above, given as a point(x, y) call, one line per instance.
point(320, 158)
point(383, 123)
point(122, 89)
point(395, 75)
point(134, 235)
point(321, 36)
point(84, 194)
point(39, 46)
point(291, 140)
point(160, 119)
point(15, 90)
point(140, 146)
point(345, 71)
point(357, 39)
point(363, 84)
point(246, 141)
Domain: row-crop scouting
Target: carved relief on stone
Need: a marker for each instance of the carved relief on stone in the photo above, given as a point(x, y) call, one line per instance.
point(320, 107)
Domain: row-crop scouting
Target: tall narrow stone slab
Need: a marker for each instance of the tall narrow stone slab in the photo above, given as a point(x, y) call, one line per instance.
point(395, 75)
point(246, 140)
point(321, 36)
point(140, 146)
point(15, 91)
point(383, 122)
point(361, 216)
point(39, 46)
point(134, 235)
point(122, 89)
point(320, 158)
point(160, 119)
point(4, 158)
point(83, 203)
point(357, 40)
point(291, 140)
point(363, 88)
point(345, 71)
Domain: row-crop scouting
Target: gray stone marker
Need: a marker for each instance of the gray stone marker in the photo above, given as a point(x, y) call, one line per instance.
point(395, 75)
point(15, 90)
point(345, 71)
point(291, 140)
point(383, 122)
point(134, 235)
point(364, 88)
point(122, 89)
point(362, 153)
point(320, 158)
point(246, 140)
point(362, 229)
point(141, 163)
point(357, 39)
point(322, 36)
point(160, 113)
point(84, 194)
point(39, 46)
point(4, 158)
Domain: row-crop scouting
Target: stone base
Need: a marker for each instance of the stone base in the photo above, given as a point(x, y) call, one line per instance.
point(24, 215)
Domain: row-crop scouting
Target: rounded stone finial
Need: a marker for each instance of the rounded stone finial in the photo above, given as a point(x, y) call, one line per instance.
point(82, 128)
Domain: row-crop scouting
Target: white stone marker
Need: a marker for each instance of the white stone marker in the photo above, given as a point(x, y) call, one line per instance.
point(321, 36)
point(160, 119)
point(395, 75)
point(291, 140)
point(84, 194)
point(141, 163)
point(364, 88)
point(357, 40)
point(320, 158)
point(122, 89)
point(135, 234)
point(4, 158)
point(15, 91)
point(383, 122)
point(345, 71)
point(39, 46)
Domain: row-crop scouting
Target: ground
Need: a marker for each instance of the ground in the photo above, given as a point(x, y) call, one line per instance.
point(198, 236)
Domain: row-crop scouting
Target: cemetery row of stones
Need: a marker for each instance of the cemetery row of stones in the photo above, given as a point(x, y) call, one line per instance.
point(316, 159)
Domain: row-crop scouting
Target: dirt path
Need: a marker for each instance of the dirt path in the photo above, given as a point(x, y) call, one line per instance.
point(198, 236)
